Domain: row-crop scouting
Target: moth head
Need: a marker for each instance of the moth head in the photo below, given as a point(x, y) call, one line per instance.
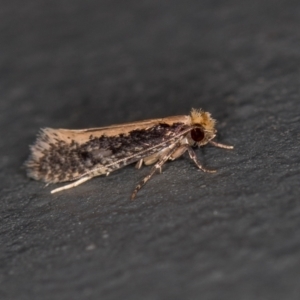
point(203, 128)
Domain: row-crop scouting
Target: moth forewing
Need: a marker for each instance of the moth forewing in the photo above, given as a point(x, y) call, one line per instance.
point(84, 135)
point(157, 156)
point(150, 152)
point(61, 155)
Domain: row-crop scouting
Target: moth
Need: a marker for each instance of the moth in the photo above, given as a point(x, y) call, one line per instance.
point(61, 155)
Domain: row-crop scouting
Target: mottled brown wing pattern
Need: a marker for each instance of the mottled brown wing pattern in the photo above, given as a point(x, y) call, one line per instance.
point(57, 160)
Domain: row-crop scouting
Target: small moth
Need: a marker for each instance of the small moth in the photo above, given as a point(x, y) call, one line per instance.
point(61, 155)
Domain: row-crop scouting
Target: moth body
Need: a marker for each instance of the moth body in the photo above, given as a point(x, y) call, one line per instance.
point(61, 155)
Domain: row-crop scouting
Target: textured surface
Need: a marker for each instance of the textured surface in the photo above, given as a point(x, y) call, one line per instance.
point(231, 235)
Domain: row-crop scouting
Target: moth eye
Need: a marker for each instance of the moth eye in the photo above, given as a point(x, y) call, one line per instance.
point(197, 134)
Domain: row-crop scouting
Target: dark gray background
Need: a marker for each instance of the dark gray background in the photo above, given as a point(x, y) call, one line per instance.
point(189, 235)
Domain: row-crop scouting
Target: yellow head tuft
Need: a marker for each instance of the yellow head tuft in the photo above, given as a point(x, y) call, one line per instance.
point(200, 117)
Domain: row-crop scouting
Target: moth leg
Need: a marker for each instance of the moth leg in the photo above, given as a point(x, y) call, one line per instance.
point(156, 167)
point(139, 164)
point(178, 152)
point(193, 156)
point(151, 159)
point(71, 185)
point(219, 145)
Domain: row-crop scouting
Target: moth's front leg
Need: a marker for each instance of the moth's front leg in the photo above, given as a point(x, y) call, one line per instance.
point(186, 147)
point(193, 157)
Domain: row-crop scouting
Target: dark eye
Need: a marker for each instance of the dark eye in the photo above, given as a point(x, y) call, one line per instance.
point(197, 134)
